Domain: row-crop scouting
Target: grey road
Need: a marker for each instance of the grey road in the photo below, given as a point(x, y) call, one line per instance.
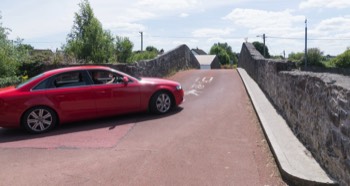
point(214, 138)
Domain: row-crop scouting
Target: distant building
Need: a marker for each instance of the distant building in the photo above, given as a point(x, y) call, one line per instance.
point(198, 52)
point(208, 62)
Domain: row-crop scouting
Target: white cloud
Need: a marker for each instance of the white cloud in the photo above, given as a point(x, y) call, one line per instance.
point(184, 15)
point(28, 21)
point(334, 25)
point(325, 4)
point(47, 21)
point(125, 27)
point(211, 32)
point(285, 30)
point(260, 21)
point(166, 5)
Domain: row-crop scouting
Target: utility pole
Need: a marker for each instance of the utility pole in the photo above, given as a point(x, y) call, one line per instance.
point(264, 45)
point(141, 41)
point(264, 37)
point(305, 57)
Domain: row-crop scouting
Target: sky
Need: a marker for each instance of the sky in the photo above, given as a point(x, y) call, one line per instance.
point(167, 24)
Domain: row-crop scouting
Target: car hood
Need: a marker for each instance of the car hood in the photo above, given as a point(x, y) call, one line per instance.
point(158, 81)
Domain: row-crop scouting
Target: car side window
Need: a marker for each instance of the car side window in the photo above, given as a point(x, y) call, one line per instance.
point(105, 77)
point(42, 85)
point(69, 79)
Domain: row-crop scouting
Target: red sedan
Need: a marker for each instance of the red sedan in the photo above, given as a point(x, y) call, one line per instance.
point(80, 93)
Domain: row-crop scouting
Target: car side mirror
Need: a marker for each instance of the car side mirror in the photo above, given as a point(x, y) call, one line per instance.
point(125, 80)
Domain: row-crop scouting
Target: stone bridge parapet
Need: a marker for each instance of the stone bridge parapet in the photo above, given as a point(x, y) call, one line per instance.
point(315, 105)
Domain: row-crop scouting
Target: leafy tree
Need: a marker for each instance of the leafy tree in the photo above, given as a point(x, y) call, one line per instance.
point(260, 47)
point(343, 60)
point(314, 57)
point(228, 50)
point(296, 57)
point(87, 40)
point(8, 54)
point(123, 48)
point(24, 47)
point(152, 49)
point(224, 53)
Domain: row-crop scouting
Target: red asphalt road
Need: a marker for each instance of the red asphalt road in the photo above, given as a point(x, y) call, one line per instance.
point(214, 138)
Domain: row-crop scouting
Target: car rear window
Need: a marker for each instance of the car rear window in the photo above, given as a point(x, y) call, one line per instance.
point(29, 80)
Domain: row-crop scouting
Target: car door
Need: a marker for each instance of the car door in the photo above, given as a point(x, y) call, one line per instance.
point(71, 93)
point(115, 97)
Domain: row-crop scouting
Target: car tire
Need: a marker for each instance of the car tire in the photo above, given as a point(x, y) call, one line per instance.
point(39, 119)
point(161, 102)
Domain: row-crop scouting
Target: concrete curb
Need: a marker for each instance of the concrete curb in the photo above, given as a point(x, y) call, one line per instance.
point(295, 162)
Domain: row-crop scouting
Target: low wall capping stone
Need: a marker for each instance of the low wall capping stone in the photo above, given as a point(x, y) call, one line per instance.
point(315, 105)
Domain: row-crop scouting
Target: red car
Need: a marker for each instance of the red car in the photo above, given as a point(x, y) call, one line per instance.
point(80, 93)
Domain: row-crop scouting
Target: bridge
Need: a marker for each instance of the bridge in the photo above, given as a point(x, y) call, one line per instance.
point(217, 136)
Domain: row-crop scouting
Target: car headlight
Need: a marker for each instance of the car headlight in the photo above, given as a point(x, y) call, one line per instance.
point(178, 87)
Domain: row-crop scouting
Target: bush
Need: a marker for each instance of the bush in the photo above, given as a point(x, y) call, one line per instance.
point(142, 56)
point(31, 68)
point(8, 81)
point(296, 57)
point(314, 57)
point(343, 60)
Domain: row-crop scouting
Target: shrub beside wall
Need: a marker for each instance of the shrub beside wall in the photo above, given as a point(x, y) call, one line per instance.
point(8, 81)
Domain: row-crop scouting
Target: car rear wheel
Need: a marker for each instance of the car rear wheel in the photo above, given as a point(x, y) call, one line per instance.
point(161, 103)
point(39, 119)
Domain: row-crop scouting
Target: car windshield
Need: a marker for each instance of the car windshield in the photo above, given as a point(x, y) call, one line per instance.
point(29, 80)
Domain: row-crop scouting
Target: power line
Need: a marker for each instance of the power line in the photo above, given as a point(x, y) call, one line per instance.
point(320, 39)
point(208, 37)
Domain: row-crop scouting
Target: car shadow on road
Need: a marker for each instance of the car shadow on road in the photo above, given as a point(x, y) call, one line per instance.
point(12, 135)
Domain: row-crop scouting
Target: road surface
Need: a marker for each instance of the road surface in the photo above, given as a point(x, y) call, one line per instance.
point(213, 138)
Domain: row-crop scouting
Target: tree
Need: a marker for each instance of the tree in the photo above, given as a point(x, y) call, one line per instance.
point(296, 57)
point(87, 40)
point(260, 47)
point(8, 54)
point(123, 49)
point(343, 60)
point(152, 49)
point(224, 53)
point(314, 57)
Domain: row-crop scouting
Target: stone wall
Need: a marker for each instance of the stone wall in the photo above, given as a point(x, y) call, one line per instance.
point(181, 58)
point(315, 105)
point(173, 61)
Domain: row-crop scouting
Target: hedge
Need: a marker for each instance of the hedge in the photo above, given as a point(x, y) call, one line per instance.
point(8, 81)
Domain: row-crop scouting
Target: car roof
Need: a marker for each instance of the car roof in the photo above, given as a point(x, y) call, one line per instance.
point(72, 68)
point(49, 73)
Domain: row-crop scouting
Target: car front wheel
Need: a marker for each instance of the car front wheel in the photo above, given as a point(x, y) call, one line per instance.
point(39, 119)
point(161, 103)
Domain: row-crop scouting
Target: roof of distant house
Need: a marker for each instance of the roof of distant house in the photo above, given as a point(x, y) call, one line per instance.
point(199, 51)
point(205, 59)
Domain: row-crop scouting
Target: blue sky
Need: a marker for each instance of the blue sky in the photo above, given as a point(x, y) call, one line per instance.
point(196, 23)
